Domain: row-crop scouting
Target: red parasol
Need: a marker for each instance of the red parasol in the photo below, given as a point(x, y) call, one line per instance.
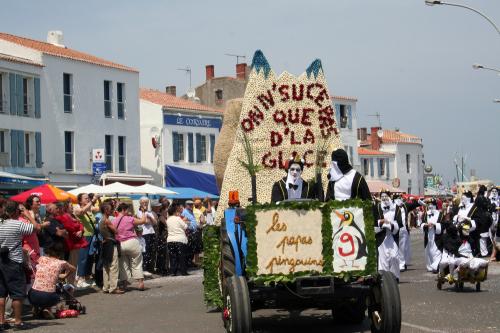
point(47, 193)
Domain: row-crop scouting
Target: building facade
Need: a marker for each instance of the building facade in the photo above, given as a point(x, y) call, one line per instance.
point(177, 135)
point(58, 105)
point(393, 157)
point(345, 114)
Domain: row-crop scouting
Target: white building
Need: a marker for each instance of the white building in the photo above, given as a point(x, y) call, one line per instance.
point(178, 136)
point(347, 122)
point(393, 157)
point(58, 104)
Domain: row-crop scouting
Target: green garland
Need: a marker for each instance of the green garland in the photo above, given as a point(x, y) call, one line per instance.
point(211, 261)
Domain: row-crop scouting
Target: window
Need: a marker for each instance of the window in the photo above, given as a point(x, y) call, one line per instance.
point(409, 186)
point(122, 158)
point(203, 148)
point(107, 99)
point(120, 98)
point(180, 146)
point(68, 151)
point(408, 167)
point(342, 116)
point(2, 141)
point(25, 97)
point(68, 92)
point(365, 167)
point(108, 152)
point(2, 99)
point(219, 95)
point(381, 167)
point(27, 147)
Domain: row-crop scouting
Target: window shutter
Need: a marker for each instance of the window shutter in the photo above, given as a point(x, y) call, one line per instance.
point(371, 167)
point(37, 97)
point(388, 169)
point(190, 148)
point(20, 150)
point(212, 146)
point(349, 117)
point(175, 141)
point(12, 88)
point(38, 149)
point(19, 94)
point(198, 147)
point(13, 148)
point(337, 115)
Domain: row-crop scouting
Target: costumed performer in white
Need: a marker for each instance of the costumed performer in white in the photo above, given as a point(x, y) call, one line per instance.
point(432, 228)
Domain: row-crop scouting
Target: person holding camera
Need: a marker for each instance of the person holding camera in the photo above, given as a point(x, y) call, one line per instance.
point(12, 277)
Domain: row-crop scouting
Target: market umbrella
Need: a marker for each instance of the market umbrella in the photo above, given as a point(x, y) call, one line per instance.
point(120, 188)
point(96, 189)
point(47, 193)
point(152, 189)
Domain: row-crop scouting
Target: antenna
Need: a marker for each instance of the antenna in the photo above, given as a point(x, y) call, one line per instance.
point(237, 56)
point(378, 116)
point(187, 69)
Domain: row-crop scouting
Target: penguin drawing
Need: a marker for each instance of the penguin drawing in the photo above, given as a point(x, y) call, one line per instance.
point(349, 241)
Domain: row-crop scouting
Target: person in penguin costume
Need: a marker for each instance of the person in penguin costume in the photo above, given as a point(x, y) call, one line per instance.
point(292, 186)
point(468, 211)
point(387, 223)
point(404, 231)
point(349, 242)
point(345, 182)
point(432, 228)
point(495, 213)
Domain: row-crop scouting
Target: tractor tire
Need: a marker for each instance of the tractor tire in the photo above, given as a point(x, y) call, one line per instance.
point(385, 314)
point(349, 311)
point(227, 258)
point(237, 313)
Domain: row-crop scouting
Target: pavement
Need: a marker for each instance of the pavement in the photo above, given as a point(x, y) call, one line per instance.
point(175, 304)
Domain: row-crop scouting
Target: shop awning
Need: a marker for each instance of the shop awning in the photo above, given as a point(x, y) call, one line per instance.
point(189, 193)
point(12, 180)
point(376, 186)
point(184, 178)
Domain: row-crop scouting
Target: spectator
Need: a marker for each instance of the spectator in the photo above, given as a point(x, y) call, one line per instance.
point(162, 256)
point(75, 240)
point(31, 246)
point(148, 233)
point(193, 247)
point(12, 277)
point(50, 269)
point(131, 257)
point(54, 232)
point(110, 251)
point(177, 240)
point(84, 211)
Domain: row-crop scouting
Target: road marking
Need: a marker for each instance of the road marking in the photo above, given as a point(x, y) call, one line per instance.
point(422, 328)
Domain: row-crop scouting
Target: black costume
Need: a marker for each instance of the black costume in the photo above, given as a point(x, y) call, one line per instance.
point(280, 190)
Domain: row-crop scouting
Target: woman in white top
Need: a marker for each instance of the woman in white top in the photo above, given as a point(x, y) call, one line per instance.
point(177, 240)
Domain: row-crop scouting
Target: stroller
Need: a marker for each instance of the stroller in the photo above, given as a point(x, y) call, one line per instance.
point(65, 290)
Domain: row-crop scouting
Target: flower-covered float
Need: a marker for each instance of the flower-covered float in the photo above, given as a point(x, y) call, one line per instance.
point(291, 254)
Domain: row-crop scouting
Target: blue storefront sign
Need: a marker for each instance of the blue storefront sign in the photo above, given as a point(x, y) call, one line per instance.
point(192, 121)
point(98, 168)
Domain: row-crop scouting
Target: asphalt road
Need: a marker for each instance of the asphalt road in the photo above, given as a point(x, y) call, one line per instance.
point(175, 304)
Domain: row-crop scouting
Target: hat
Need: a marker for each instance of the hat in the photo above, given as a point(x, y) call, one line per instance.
point(189, 202)
point(295, 160)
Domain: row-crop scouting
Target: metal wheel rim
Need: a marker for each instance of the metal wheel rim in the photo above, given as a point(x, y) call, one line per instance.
point(230, 313)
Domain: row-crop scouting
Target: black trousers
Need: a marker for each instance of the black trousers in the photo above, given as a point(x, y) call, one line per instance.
point(177, 254)
point(162, 257)
point(148, 263)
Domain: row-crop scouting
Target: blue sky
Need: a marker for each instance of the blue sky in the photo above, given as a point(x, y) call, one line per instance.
point(410, 62)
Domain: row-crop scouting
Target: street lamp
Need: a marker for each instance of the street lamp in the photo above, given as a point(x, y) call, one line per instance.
point(437, 2)
point(496, 100)
point(478, 66)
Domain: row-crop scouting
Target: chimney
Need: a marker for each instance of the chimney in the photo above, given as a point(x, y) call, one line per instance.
point(362, 134)
point(55, 38)
point(210, 70)
point(241, 70)
point(171, 90)
point(375, 140)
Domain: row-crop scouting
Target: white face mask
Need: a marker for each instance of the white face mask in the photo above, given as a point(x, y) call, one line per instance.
point(432, 208)
point(398, 202)
point(465, 200)
point(335, 173)
point(386, 201)
point(294, 172)
point(494, 194)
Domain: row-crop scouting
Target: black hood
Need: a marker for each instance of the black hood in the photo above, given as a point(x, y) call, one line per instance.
point(340, 156)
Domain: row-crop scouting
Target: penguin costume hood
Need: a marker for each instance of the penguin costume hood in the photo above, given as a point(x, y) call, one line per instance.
point(339, 166)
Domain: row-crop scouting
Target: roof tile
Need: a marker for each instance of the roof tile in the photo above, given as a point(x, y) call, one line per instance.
point(170, 101)
point(366, 151)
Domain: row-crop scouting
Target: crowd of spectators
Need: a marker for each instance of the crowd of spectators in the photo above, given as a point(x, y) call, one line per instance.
point(100, 244)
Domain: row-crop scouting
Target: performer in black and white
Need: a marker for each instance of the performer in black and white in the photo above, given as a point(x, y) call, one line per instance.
point(468, 211)
point(345, 182)
point(387, 223)
point(494, 210)
point(484, 221)
point(404, 231)
point(432, 227)
point(292, 186)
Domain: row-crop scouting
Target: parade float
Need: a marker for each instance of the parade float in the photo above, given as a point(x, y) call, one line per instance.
point(296, 254)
